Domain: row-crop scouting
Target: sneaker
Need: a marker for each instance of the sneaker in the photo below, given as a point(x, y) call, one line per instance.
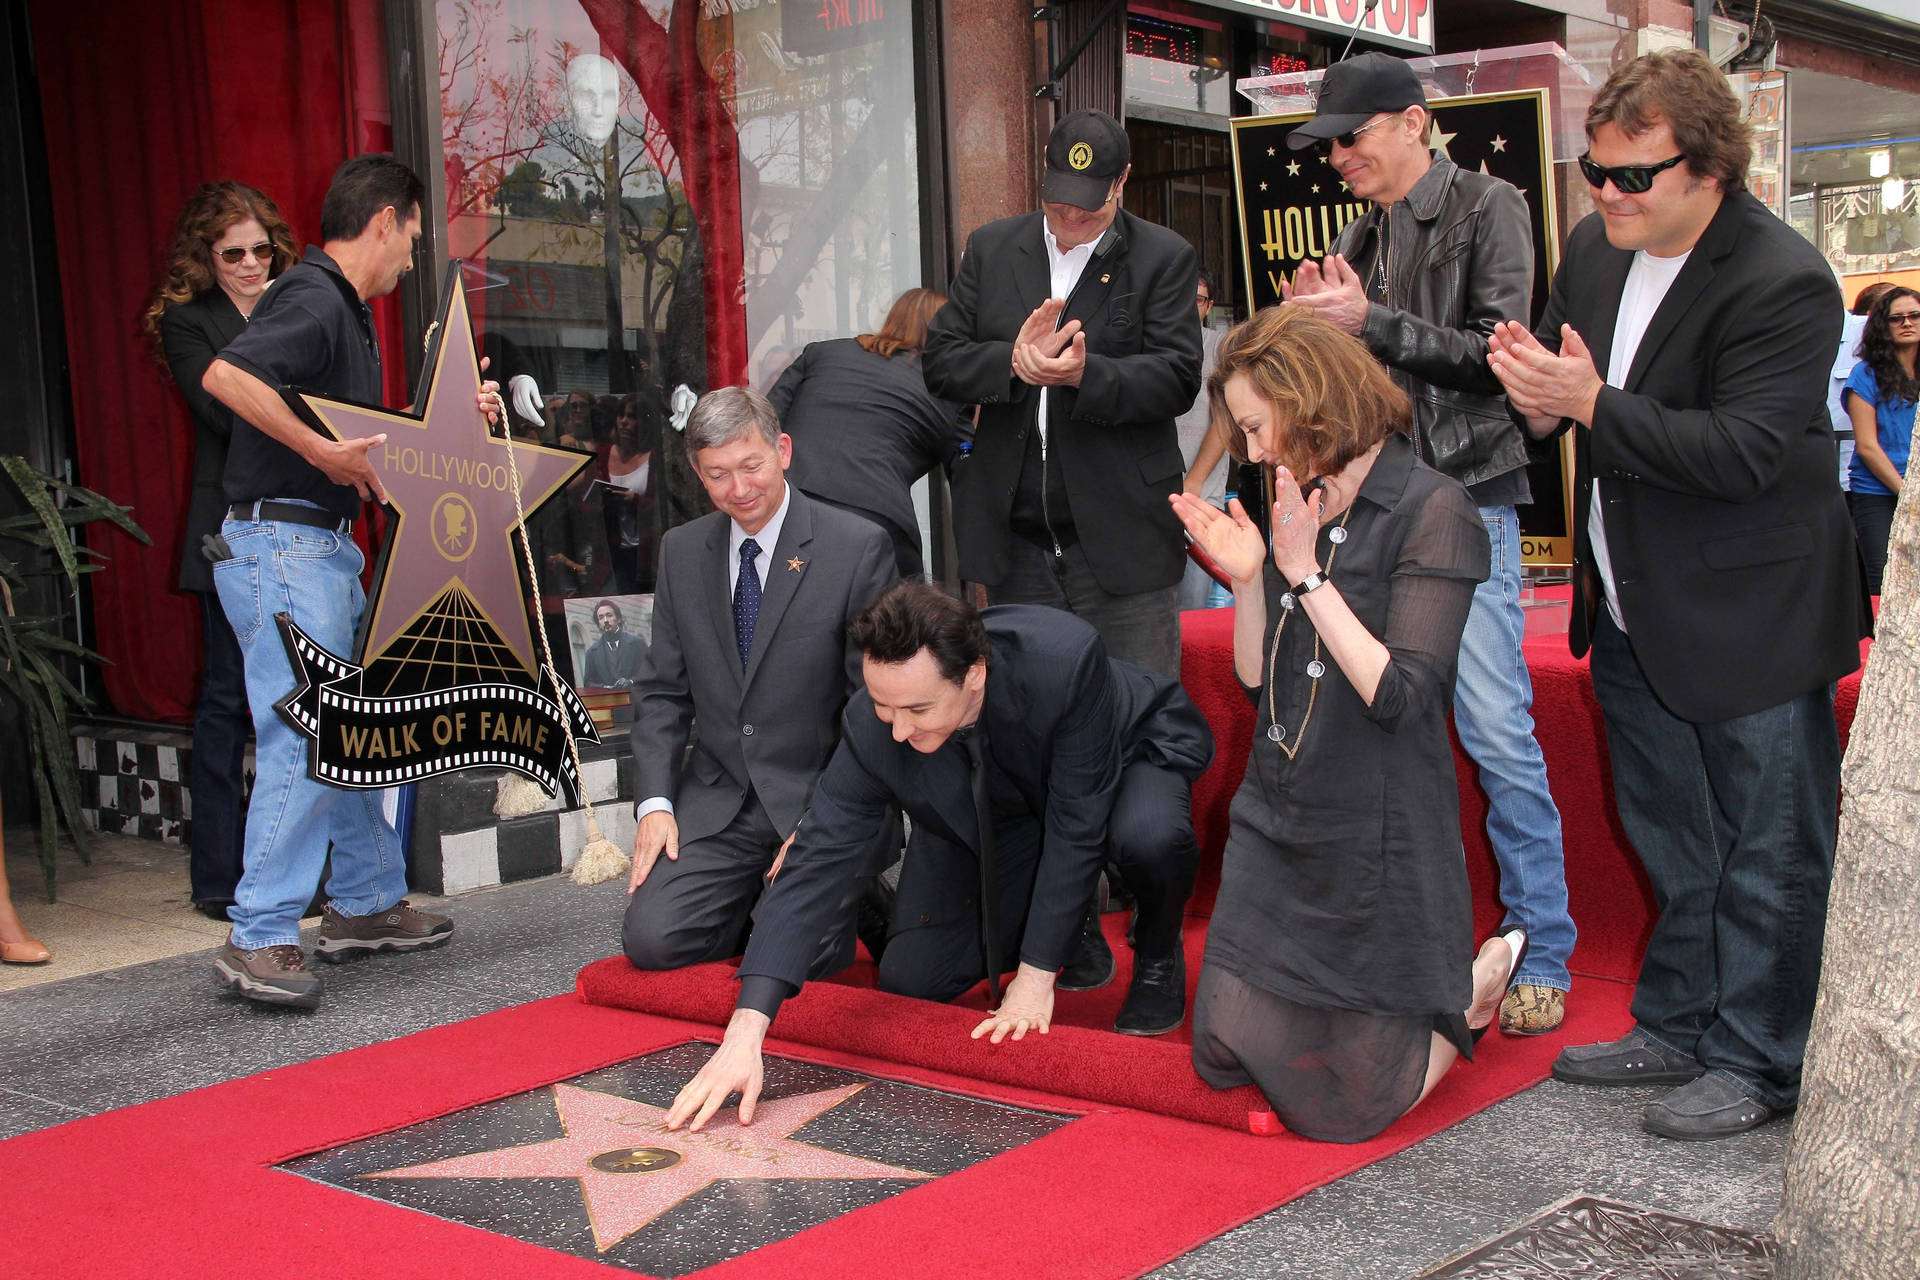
point(1530, 1010)
point(399, 928)
point(271, 975)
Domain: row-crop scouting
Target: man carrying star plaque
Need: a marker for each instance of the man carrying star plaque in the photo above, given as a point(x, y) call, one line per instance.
point(294, 494)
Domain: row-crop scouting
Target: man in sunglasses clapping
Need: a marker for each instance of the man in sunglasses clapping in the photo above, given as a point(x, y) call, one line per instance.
point(1422, 278)
point(1687, 345)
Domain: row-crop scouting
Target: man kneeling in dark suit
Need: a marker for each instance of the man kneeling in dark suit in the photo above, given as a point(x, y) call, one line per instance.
point(751, 666)
point(1026, 757)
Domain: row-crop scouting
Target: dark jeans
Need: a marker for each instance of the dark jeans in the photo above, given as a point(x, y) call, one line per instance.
point(1872, 522)
point(1143, 628)
point(1734, 822)
point(215, 778)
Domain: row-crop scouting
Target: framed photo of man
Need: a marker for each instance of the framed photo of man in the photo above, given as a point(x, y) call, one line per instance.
point(608, 637)
point(1293, 205)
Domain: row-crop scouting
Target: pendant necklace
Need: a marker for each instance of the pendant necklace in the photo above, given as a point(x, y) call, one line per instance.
point(1315, 668)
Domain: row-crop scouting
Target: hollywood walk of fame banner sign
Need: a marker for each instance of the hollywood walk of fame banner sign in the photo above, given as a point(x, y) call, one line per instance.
point(1293, 206)
point(444, 674)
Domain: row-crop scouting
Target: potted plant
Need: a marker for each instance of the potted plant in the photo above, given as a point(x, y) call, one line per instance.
point(35, 655)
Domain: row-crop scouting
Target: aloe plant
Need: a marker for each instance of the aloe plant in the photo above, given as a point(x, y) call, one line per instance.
point(34, 654)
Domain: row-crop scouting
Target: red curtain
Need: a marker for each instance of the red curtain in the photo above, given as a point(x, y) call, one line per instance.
point(143, 103)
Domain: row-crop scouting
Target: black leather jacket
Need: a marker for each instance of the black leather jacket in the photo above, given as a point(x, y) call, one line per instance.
point(1461, 262)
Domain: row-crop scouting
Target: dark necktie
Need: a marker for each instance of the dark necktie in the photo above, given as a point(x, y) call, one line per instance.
point(989, 895)
point(746, 599)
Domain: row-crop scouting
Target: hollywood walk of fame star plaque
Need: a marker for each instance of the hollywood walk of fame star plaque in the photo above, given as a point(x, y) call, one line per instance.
point(1293, 206)
point(588, 1167)
point(444, 673)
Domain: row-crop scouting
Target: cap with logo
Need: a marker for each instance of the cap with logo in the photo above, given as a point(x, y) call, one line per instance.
point(1086, 152)
point(1354, 92)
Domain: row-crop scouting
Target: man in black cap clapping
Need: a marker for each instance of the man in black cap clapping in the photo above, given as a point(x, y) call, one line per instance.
point(1441, 257)
point(1074, 330)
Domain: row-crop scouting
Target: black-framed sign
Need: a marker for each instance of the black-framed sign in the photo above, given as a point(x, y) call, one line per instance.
point(444, 674)
point(1293, 205)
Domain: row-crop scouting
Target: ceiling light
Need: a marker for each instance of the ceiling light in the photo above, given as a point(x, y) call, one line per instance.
point(1879, 163)
point(1892, 192)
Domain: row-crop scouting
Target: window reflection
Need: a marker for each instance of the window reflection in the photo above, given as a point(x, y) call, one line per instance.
point(656, 197)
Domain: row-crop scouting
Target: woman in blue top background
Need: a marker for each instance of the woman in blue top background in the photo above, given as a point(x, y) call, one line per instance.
point(1880, 396)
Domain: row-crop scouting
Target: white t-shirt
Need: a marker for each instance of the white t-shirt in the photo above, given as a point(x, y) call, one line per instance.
point(1647, 283)
point(1064, 267)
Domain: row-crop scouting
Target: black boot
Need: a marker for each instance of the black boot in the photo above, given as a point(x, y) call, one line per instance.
point(1157, 998)
point(1091, 966)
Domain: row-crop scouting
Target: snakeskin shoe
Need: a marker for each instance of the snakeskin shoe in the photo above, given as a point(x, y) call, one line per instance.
point(1529, 1010)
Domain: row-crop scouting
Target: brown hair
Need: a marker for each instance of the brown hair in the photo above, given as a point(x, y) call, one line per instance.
point(905, 328)
point(1333, 401)
point(1685, 89)
point(209, 212)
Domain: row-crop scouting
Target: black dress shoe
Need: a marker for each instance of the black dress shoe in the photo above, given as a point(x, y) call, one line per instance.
point(1092, 964)
point(873, 916)
point(1157, 999)
point(215, 909)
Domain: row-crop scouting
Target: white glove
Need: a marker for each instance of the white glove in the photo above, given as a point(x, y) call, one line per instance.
point(681, 404)
point(526, 397)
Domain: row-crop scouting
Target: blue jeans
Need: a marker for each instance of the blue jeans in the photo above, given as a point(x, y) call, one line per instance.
point(313, 575)
point(1493, 714)
point(216, 779)
point(1734, 822)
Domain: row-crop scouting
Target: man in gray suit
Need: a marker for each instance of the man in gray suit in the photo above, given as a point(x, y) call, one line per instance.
point(750, 664)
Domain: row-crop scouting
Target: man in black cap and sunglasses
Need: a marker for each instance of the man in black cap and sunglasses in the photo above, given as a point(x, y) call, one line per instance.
point(1422, 278)
point(1717, 584)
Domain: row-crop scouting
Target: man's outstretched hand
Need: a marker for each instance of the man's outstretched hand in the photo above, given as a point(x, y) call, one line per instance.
point(1026, 1006)
point(734, 1067)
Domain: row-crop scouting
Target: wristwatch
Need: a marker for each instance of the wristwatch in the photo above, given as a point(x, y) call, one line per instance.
point(1318, 578)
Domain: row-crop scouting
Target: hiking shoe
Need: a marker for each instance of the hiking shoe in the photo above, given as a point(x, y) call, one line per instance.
point(1532, 1010)
point(399, 928)
point(271, 975)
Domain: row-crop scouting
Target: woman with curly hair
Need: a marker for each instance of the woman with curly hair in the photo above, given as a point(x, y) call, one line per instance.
point(1880, 396)
point(228, 245)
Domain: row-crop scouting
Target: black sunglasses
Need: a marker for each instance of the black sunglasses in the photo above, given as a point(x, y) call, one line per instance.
point(1629, 179)
point(262, 251)
point(1348, 138)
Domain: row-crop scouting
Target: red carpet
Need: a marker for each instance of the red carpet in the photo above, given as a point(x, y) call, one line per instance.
point(185, 1187)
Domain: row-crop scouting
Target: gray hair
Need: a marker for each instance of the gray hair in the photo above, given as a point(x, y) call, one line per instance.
point(725, 415)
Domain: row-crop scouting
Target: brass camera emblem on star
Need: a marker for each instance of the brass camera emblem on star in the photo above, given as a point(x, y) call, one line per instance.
point(635, 1160)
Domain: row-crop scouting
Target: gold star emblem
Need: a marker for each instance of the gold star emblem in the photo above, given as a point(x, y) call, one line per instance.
point(794, 565)
point(1438, 138)
point(1499, 143)
point(1293, 168)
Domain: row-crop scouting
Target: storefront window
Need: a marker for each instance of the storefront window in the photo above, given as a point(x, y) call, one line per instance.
point(656, 197)
point(1855, 175)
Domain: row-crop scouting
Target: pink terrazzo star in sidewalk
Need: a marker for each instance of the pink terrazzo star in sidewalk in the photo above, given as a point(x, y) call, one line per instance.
point(631, 1169)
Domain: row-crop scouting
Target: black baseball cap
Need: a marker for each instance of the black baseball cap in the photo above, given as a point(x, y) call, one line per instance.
point(1354, 92)
point(1086, 151)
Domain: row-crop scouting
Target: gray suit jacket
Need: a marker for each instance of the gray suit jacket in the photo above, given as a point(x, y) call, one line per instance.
point(772, 728)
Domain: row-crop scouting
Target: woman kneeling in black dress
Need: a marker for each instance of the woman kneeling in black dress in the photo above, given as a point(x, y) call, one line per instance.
point(1337, 976)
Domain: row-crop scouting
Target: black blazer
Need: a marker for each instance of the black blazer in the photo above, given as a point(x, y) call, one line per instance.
point(191, 335)
point(864, 428)
point(1113, 436)
point(1738, 573)
point(1062, 721)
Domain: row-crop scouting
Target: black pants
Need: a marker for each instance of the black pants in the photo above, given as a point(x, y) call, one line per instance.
point(1872, 522)
point(933, 949)
point(695, 908)
point(221, 724)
